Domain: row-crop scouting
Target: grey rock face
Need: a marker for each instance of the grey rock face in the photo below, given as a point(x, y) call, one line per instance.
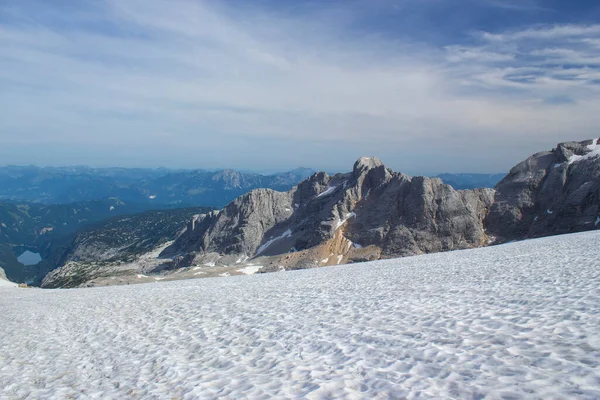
point(371, 206)
point(238, 228)
point(551, 192)
point(407, 216)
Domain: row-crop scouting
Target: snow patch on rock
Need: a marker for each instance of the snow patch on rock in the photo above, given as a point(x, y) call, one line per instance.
point(328, 191)
point(250, 270)
point(242, 259)
point(262, 248)
point(341, 222)
point(594, 152)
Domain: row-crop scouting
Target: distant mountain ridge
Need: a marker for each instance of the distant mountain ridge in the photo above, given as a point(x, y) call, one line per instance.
point(161, 186)
point(60, 185)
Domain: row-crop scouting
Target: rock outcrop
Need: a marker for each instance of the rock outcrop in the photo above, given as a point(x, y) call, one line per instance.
point(551, 192)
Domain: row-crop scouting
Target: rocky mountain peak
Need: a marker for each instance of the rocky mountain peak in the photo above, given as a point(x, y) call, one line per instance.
point(370, 173)
point(232, 179)
point(365, 164)
point(369, 213)
point(311, 187)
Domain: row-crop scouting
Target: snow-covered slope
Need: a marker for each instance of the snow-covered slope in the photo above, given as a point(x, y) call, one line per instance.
point(521, 320)
point(4, 283)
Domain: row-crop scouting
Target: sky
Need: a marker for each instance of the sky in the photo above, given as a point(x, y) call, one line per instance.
point(428, 86)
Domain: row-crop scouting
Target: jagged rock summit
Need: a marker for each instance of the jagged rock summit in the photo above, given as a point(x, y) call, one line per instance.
point(364, 164)
point(367, 214)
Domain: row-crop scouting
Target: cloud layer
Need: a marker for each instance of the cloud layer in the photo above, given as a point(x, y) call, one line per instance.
point(216, 84)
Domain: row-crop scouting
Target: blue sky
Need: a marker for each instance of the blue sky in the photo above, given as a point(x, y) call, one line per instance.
point(426, 85)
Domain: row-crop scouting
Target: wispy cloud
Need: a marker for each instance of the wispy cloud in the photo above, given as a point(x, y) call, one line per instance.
point(544, 61)
point(519, 5)
point(234, 84)
point(553, 32)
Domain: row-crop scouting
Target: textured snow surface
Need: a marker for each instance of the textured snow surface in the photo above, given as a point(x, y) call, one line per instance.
point(518, 321)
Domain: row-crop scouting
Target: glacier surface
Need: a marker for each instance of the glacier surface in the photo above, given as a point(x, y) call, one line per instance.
point(518, 321)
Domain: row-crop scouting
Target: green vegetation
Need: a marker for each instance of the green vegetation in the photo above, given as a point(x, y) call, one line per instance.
point(55, 230)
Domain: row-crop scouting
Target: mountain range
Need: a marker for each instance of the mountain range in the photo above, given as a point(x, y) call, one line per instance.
point(149, 187)
point(369, 213)
point(42, 208)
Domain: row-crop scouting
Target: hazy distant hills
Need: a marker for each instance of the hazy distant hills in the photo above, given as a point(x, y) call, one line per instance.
point(177, 188)
point(60, 185)
point(26, 222)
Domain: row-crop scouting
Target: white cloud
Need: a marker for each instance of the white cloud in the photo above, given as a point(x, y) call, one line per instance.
point(202, 75)
point(546, 32)
point(517, 5)
point(547, 61)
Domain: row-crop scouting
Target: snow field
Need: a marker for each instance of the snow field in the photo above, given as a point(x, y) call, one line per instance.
point(6, 284)
point(518, 321)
